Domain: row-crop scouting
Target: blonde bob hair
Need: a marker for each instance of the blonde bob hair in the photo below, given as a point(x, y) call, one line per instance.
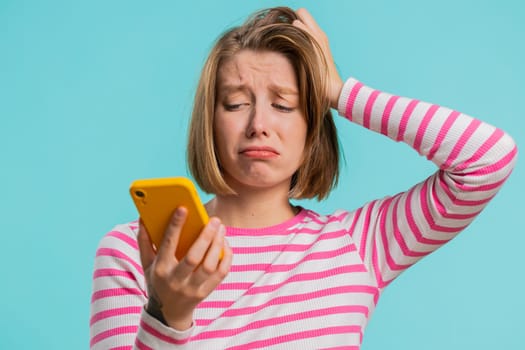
point(269, 30)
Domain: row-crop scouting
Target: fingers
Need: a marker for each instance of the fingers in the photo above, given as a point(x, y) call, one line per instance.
point(199, 248)
point(307, 23)
point(310, 25)
point(168, 246)
point(214, 268)
point(147, 254)
point(226, 261)
point(222, 269)
point(212, 258)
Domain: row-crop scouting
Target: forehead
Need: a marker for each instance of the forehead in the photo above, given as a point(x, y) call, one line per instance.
point(247, 68)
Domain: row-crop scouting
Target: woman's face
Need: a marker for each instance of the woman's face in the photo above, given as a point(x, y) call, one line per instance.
point(259, 128)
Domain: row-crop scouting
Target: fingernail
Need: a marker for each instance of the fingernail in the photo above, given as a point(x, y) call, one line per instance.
point(179, 211)
point(214, 223)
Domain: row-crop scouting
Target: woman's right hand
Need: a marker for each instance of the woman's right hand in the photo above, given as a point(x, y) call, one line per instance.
point(307, 23)
point(175, 287)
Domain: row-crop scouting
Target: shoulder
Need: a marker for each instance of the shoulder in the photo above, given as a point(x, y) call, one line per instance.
point(122, 236)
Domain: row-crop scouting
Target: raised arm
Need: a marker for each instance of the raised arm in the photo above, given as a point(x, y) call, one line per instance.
point(473, 158)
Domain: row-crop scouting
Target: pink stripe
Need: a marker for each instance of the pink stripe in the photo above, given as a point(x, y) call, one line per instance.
point(375, 260)
point(423, 197)
point(386, 114)
point(413, 226)
point(204, 322)
point(375, 265)
point(271, 268)
point(443, 210)
point(368, 108)
point(351, 99)
point(304, 231)
point(357, 214)
point(124, 347)
point(146, 327)
point(234, 286)
point(219, 304)
point(114, 312)
point(237, 232)
point(274, 321)
point(295, 298)
point(313, 276)
point(492, 168)
point(465, 136)
point(452, 196)
point(366, 226)
point(288, 247)
point(400, 239)
point(115, 292)
point(482, 188)
point(299, 335)
point(124, 238)
point(386, 245)
point(113, 332)
point(404, 119)
point(119, 255)
point(485, 147)
point(442, 133)
point(113, 273)
point(141, 346)
point(423, 126)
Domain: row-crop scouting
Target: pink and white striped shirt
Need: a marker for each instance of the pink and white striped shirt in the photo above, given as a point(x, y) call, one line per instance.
point(314, 281)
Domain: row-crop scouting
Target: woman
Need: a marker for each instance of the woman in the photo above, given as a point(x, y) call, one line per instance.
point(262, 133)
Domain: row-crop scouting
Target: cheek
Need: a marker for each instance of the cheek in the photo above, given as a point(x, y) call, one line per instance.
point(297, 131)
point(223, 136)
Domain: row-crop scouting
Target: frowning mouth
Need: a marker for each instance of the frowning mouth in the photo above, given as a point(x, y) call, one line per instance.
point(261, 152)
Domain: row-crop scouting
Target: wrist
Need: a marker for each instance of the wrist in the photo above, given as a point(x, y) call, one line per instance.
point(337, 87)
point(153, 308)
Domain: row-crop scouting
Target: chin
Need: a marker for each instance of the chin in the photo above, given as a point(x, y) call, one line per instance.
point(259, 181)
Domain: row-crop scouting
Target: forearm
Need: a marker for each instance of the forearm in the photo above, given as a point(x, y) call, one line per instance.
point(457, 143)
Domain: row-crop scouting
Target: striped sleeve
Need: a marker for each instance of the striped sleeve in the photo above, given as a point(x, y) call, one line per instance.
point(118, 319)
point(473, 158)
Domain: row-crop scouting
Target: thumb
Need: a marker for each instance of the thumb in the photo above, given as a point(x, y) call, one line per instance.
point(147, 254)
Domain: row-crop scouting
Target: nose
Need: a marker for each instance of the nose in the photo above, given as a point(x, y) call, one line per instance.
point(258, 122)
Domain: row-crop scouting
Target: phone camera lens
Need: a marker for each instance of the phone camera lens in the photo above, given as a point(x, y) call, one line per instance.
point(139, 194)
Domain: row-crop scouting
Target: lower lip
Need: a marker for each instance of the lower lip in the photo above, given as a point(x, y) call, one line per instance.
point(260, 154)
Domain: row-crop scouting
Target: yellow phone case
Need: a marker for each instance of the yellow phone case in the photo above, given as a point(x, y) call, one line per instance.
point(157, 199)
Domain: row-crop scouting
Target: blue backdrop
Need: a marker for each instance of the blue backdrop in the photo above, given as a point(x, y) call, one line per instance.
point(95, 94)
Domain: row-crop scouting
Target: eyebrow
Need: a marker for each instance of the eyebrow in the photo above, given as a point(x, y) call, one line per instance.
point(283, 90)
point(228, 88)
point(277, 89)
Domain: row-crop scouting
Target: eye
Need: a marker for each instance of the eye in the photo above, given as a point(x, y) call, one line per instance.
point(231, 107)
point(282, 108)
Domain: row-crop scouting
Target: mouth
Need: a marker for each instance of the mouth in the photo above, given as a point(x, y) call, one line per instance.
point(261, 152)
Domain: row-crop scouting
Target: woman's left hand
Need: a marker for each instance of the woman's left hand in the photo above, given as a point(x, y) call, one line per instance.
point(307, 23)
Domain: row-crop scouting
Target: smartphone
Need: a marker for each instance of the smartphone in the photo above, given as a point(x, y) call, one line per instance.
point(156, 201)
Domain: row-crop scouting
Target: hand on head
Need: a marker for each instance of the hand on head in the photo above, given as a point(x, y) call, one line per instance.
point(307, 23)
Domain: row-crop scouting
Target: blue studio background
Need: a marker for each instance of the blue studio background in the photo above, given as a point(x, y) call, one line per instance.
point(95, 94)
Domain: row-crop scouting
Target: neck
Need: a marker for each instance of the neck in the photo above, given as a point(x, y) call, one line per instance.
point(252, 208)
